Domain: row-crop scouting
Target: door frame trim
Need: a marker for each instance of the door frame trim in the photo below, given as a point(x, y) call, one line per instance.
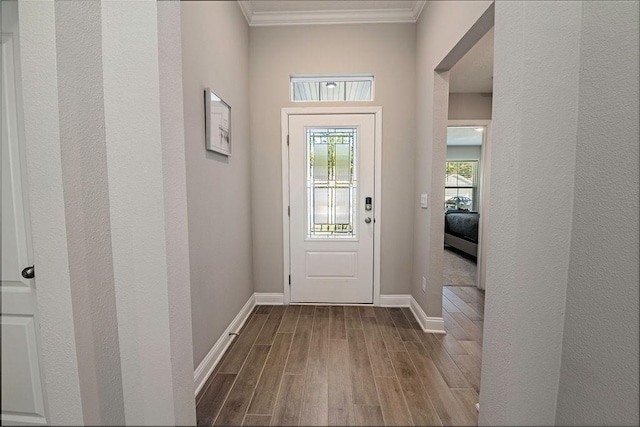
point(286, 259)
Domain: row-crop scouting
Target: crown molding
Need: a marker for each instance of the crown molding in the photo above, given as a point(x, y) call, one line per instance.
point(246, 9)
point(417, 8)
point(325, 17)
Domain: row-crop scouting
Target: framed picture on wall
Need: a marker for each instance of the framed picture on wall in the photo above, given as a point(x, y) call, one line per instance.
point(217, 123)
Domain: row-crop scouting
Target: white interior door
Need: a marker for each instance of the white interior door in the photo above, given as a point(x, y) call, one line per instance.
point(331, 228)
point(22, 392)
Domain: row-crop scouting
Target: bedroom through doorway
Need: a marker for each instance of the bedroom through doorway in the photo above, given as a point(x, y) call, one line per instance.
point(462, 204)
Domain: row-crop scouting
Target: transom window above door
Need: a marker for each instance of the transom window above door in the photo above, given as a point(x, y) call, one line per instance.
point(332, 88)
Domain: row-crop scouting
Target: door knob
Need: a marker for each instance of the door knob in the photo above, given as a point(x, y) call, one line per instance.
point(367, 220)
point(29, 272)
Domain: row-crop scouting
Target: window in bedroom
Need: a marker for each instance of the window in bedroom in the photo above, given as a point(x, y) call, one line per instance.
point(332, 88)
point(461, 186)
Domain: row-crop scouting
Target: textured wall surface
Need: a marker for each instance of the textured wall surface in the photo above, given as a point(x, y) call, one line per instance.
point(175, 205)
point(388, 51)
point(440, 27)
point(561, 323)
point(136, 202)
point(86, 192)
point(534, 138)
point(215, 54)
point(599, 375)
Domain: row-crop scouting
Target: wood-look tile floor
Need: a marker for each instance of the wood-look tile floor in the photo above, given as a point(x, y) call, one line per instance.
point(347, 365)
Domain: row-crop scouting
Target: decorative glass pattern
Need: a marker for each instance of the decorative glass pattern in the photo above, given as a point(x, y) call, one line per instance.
point(331, 182)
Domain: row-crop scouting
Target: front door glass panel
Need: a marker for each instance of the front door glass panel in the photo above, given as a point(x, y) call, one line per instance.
point(331, 182)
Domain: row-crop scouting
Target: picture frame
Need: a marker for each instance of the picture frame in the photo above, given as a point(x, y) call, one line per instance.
point(217, 123)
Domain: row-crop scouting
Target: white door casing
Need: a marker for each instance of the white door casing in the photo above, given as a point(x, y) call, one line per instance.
point(331, 249)
point(23, 400)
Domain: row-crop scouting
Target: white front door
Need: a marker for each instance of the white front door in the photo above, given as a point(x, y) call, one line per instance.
point(331, 227)
point(22, 392)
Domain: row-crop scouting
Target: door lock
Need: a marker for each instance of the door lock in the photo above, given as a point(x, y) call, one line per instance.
point(367, 220)
point(29, 272)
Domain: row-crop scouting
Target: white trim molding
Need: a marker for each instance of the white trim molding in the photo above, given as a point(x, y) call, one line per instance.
point(247, 10)
point(205, 368)
point(310, 17)
point(433, 325)
point(269, 298)
point(284, 130)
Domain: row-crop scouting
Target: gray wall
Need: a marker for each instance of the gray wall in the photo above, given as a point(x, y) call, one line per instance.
point(470, 106)
point(561, 318)
point(464, 152)
point(599, 374)
point(388, 50)
point(215, 54)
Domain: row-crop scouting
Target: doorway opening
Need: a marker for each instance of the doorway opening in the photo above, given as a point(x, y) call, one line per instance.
point(462, 135)
point(467, 165)
point(461, 206)
point(466, 194)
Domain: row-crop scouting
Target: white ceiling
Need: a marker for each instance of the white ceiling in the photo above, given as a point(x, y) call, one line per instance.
point(474, 72)
point(292, 12)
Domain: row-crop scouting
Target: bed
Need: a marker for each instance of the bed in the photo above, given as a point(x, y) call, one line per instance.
point(461, 231)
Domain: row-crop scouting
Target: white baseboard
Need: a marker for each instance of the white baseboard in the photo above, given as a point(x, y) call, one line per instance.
point(212, 358)
point(269, 299)
point(398, 300)
point(434, 325)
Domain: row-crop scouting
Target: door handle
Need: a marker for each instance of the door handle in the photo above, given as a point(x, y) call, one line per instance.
point(29, 272)
point(367, 220)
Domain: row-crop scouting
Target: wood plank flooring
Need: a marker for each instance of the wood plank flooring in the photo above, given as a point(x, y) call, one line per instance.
point(345, 365)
